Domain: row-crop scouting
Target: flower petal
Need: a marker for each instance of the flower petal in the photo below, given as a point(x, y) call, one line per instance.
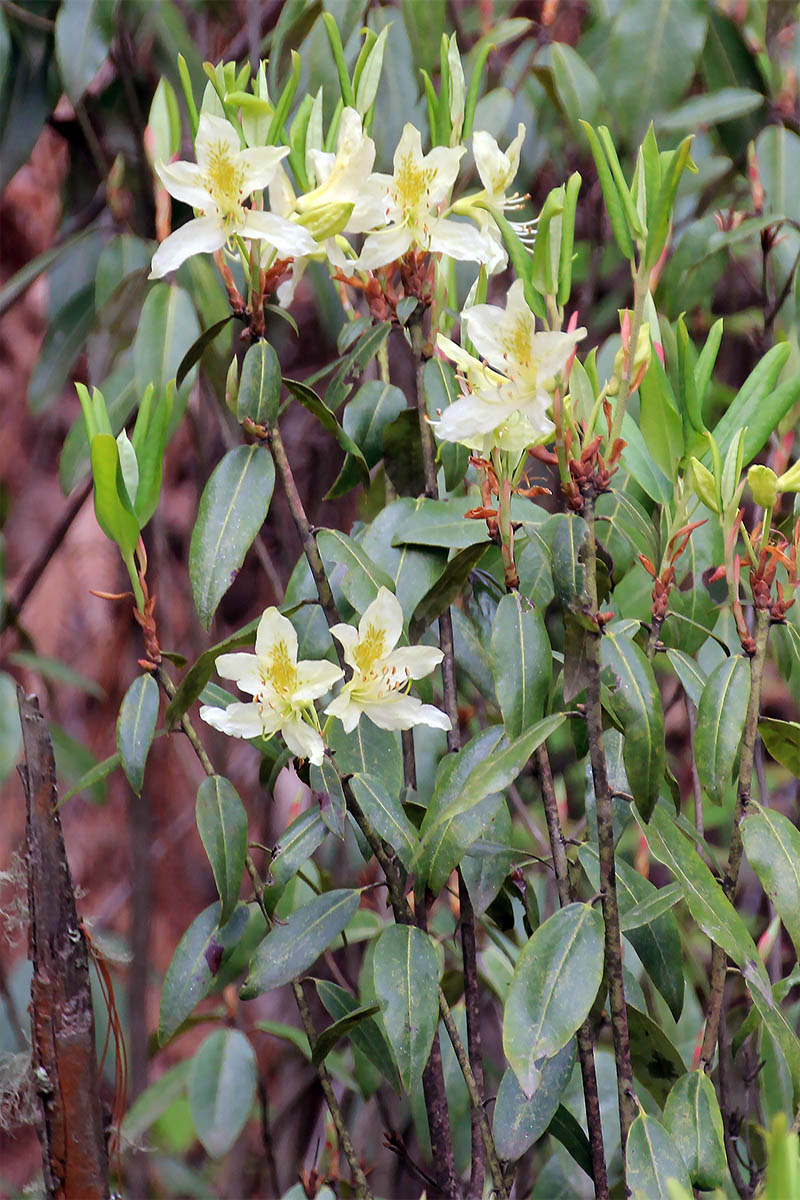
point(203, 235)
point(289, 239)
point(348, 636)
point(400, 711)
point(260, 165)
point(345, 710)
point(314, 679)
point(415, 661)
point(385, 614)
point(303, 741)
point(215, 135)
point(384, 247)
point(185, 181)
point(272, 629)
point(237, 720)
point(460, 240)
point(243, 669)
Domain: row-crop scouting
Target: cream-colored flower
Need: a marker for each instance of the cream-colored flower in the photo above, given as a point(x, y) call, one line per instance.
point(344, 180)
point(282, 688)
point(497, 168)
point(378, 687)
point(216, 186)
point(412, 196)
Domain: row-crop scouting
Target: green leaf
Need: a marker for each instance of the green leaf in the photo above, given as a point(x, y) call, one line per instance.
point(614, 204)
point(440, 523)
point(222, 825)
point(369, 750)
point(413, 570)
point(446, 589)
point(155, 1100)
point(485, 874)
point(339, 1029)
point(405, 973)
point(533, 564)
point(10, 731)
point(772, 846)
point(518, 1122)
point(637, 460)
point(296, 845)
point(198, 959)
point(366, 1035)
point(637, 704)
point(232, 509)
point(652, 908)
point(576, 84)
point(658, 941)
point(83, 37)
point(403, 460)
point(196, 350)
point(466, 796)
point(660, 219)
point(720, 723)
point(112, 507)
point(201, 671)
point(66, 336)
point(775, 1022)
point(656, 1062)
point(135, 728)
point(689, 673)
point(555, 981)
point(362, 353)
point(659, 419)
point(56, 671)
point(707, 902)
point(222, 1088)
point(694, 1122)
point(93, 776)
point(521, 663)
point(310, 400)
point(365, 417)
point(782, 740)
point(568, 537)
point(652, 1159)
point(290, 949)
point(327, 788)
point(168, 327)
point(760, 405)
point(259, 387)
point(385, 813)
point(359, 578)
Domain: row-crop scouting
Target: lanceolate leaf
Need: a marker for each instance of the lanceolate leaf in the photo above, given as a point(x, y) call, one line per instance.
point(707, 902)
point(720, 722)
point(135, 728)
point(406, 980)
point(222, 1088)
point(200, 955)
point(222, 825)
point(445, 589)
point(385, 813)
point(656, 1062)
point(339, 1029)
point(759, 404)
point(365, 1035)
point(652, 1159)
point(693, 1120)
point(518, 1121)
point(310, 400)
point(260, 385)
point(360, 579)
point(521, 663)
point(772, 846)
point(782, 740)
point(290, 949)
point(637, 703)
point(554, 985)
point(200, 672)
point(232, 510)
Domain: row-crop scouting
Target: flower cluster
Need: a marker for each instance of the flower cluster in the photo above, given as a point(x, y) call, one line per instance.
point(284, 690)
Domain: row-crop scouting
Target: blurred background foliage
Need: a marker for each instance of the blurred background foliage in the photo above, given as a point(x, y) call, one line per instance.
point(77, 80)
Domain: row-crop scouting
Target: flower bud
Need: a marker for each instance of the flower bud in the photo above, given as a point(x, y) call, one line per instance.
point(704, 484)
point(326, 220)
point(789, 481)
point(232, 386)
point(765, 485)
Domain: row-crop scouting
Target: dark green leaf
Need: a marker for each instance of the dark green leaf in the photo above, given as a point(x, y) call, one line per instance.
point(369, 750)
point(83, 36)
point(637, 704)
point(656, 1062)
point(772, 846)
point(222, 1088)
point(521, 663)
point(385, 813)
point(652, 1160)
point(200, 955)
point(446, 588)
point(440, 523)
point(200, 672)
point(782, 740)
point(484, 874)
point(168, 327)
point(518, 1122)
point(413, 570)
point(403, 461)
point(195, 351)
point(327, 787)
point(760, 405)
point(360, 579)
point(222, 825)
point(694, 1122)
point(568, 538)
point(554, 985)
point(297, 843)
point(135, 728)
point(310, 400)
point(232, 510)
point(339, 1029)
point(366, 1036)
point(406, 979)
point(720, 722)
point(366, 416)
point(290, 949)
point(66, 337)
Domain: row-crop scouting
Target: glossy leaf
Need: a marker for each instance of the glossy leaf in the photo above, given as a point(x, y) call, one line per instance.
point(135, 728)
point(637, 704)
point(232, 509)
point(760, 404)
point(83, 37)
point(167, 329)
point(369, 750)
point(554, 985)
point(327, 788)
point(772, 845)
point(385, 813)
point(649, 910)
point(440, 523)
point(222, 1088)
point(259, 392)
point(484, 874)
point(374, 406)
point(656, 1062)
point(782, 740)
point(720, 723)
point(406, 979)
point(197, 349)
point(446, 589)
point(365, 1035)
point(413, 569)
point(658, 941)
point(222, 825)
point(359, 578)
point(198, 959)
point(518, 1121)
point(290, 949)
point(694, 1122)
point(522, 661)
point(652, 1159)
point(707, 902)
point(201, 671)
point(327, 418)
point(112, 506)
point(342, 1027)
point(296, 844)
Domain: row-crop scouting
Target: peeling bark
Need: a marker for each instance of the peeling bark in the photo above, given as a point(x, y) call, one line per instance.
point(74, 1154)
